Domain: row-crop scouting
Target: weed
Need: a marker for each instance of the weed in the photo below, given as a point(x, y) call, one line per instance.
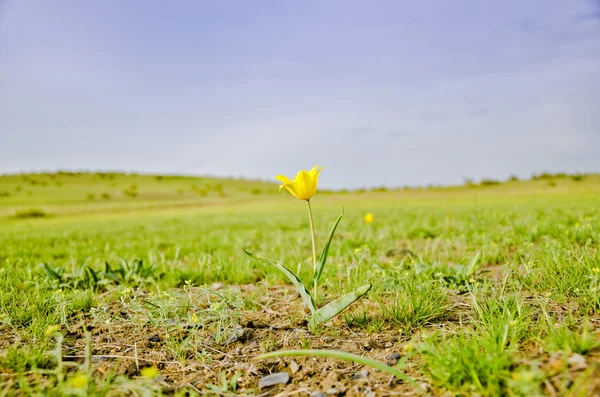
point(418, 302)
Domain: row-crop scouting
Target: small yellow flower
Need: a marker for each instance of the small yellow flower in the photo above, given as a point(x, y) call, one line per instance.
point(369, 218)
point(79, 381)
point(51, 330)
point(304, 186)
point(357, 250)
point(596, 270)
point(150, 372)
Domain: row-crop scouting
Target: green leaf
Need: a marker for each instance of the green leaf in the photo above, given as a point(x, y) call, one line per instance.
point(470, 270)
point(51, 272)
point(395, 371)
point(323, 257)
point(92, 274)
point(308, 299)
point(332, 309)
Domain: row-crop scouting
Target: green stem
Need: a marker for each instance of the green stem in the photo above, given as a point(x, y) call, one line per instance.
point(314, 249)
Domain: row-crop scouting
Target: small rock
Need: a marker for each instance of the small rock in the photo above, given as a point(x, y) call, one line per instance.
point(294, 367)
point(236, 334)
point(577, 361)
point(154, 338)
point(388, 345)
point(369, 345)
point(392, 359)
point(318, 394)
point(364, 374)
point(333, 391)
point(279, 378)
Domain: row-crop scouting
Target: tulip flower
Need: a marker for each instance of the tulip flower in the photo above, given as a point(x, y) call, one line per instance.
point(304, 185)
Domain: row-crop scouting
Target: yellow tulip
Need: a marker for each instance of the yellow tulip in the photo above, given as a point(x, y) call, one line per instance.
point(369, 218)
point(304, 185)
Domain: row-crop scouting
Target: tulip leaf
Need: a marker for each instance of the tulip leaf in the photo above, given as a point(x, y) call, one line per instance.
point(323, 257)
point(332, 309)
point(308, 299)
point(342, 355)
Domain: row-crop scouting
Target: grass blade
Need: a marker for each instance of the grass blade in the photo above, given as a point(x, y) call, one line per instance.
point(308, 299)
point(323, 257)
point(332, 309)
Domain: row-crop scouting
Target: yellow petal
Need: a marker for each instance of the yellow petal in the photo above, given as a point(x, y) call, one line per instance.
point(314, 173)
point(289, 185)
point(292, 189)
point(303, 184)
point(283, 179)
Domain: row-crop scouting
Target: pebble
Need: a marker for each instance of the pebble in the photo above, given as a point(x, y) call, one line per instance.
point(333, 391)
point(577, 362)
point(236, 334)
point(364, 374)
point(294, 367)
point(279, 378)
point(392, 359)
point(318, 394)
point(154, 338)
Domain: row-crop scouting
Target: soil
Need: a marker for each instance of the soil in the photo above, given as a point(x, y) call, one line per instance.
point(279, 324)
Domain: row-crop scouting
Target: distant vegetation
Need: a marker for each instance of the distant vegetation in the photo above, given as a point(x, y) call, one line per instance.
point(30, 213)
point(91, 192)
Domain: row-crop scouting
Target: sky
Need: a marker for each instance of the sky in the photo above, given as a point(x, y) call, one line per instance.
point(382, 93)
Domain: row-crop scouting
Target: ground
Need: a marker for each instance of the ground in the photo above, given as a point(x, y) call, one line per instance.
point(138, 285)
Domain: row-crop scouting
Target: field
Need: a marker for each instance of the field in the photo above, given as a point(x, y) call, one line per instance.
point(115, 284)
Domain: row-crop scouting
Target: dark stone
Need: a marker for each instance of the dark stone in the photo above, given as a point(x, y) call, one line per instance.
point(393, 358)
point(279, 378)
point(154, 338)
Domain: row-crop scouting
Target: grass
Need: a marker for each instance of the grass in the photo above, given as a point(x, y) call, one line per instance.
point(484, 287)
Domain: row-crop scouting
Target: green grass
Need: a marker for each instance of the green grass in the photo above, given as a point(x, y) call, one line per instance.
point(488, 281)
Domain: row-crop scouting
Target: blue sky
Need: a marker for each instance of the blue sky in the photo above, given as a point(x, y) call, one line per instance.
point(380, 92)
